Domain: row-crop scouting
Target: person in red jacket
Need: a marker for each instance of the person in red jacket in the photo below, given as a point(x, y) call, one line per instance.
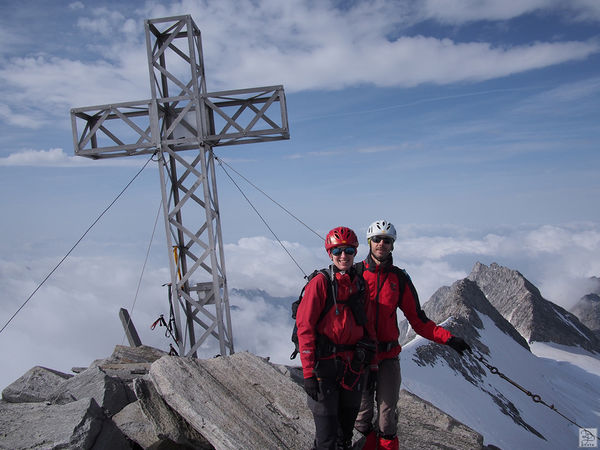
point(391, 289)
point(336, 349)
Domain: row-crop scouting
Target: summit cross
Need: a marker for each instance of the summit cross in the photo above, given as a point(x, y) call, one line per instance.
point(180, 116)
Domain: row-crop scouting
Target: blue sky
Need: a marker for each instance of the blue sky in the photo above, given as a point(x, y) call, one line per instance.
point(472, 125)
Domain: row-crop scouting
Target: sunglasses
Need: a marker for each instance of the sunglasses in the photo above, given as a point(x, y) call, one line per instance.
point(386, 240)
point(337, 251)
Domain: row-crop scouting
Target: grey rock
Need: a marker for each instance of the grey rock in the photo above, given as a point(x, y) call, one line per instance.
point(81, 424)
point(534, 317)
point(237, 401)
point(436, 429)
point(110, 393)
point(587, 310)
point(36, 385)
point(168, 426)
point(293, 372)
point(461, 300)
point(133, 423)
point(131, 355)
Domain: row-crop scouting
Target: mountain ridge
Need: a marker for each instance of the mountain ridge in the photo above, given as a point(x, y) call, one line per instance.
point(523, 305)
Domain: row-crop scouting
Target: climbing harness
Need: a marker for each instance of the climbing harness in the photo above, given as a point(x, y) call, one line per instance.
point(535, 397)
point(170, 327)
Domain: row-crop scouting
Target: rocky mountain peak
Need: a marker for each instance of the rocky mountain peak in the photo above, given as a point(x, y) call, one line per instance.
point(534, 317)
point(461, 301)
point(587, 310)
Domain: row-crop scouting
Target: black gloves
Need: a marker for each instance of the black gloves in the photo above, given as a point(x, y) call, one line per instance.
point(458, 344)
point(311, 386)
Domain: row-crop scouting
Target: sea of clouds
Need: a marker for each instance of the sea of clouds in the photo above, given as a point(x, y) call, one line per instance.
point(73, 318)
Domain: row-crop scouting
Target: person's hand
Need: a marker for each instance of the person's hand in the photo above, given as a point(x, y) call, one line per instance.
point(459, 345)
point(311, 386)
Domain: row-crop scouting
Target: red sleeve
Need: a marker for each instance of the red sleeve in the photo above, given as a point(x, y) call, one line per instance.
point(418, 320)
point(307, 316)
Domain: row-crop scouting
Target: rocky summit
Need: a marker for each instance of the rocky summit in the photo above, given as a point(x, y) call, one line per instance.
point(142, 398)
point(587, 309)
point(534, 317)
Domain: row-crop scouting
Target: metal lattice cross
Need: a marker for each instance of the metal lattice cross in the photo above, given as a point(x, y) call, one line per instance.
point(181, 115)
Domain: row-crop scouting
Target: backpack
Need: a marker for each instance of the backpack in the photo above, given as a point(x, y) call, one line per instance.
point(356, 307)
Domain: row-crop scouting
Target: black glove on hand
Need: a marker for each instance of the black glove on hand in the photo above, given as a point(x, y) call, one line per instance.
point(458, 344)
point(311, 386)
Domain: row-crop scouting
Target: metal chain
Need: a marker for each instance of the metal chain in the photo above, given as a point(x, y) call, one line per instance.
point(535, 397)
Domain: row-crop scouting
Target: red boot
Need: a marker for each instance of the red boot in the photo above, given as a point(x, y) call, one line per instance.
point(388, 444)
point(371, 442)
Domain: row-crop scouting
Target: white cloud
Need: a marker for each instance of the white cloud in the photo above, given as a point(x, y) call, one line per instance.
point(73, 319)
point(76, 5)
point(104, 22)
point(462, 11)
point(568, 97)
point(52, 157)
point(56, 157)
point(260, 258)
point(19, 119)
point(304, 45)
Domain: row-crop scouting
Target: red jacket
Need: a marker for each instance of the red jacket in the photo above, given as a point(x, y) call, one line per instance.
point(338, 324)
point(385, 289)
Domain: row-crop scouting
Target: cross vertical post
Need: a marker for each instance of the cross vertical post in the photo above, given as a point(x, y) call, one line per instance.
point(181, 115)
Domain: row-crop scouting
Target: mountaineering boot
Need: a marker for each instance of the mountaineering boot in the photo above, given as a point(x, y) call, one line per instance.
point(388, 444)
point(371, 442)
point(343, 445)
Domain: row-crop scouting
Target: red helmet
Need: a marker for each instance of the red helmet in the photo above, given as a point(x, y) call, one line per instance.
point(341, 236)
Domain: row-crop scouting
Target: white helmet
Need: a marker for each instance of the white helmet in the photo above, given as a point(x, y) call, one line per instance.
point(381, 228)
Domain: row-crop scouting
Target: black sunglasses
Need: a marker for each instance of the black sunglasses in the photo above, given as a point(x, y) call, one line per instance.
point(378, 239)
point(337, 251)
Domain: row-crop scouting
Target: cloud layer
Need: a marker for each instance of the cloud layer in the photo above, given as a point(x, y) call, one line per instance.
point(73, 319)
point(307, 45)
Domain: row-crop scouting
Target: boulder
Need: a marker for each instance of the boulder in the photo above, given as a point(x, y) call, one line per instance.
point(36, 385)
point(81, 424)
point(135, 425)
point(110, 393)
point(228, 402)
point(237, 401)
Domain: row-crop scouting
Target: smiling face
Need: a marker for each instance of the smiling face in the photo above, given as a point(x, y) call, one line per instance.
point(382, 249)
point(341, 257)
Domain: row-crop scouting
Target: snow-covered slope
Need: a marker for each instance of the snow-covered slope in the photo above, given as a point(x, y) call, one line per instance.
point(567, 378)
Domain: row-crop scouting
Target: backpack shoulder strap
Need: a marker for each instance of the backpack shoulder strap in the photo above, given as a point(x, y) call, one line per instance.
point(359, 268)
point(404, 278)
point(405, 281)
point(329, 298)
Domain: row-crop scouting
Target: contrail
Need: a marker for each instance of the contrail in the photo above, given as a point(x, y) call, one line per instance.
point(413, 103)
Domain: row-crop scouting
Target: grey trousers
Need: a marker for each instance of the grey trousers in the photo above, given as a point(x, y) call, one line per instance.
point(386, 396)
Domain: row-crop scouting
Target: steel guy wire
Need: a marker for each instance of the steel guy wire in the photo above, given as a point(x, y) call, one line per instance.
point(261, 218)
point(266, 195)
point(535, 397)
point(75, 245)
point(137, 290)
